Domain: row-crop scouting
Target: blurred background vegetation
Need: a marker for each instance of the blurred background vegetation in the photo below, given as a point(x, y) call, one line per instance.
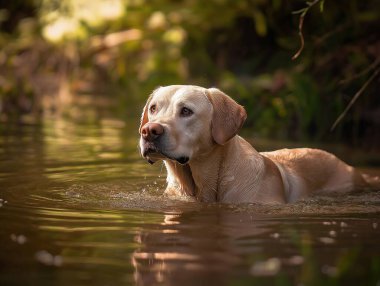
point(56, 57)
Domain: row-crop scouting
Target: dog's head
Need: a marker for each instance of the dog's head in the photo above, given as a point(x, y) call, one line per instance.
point(180, 122)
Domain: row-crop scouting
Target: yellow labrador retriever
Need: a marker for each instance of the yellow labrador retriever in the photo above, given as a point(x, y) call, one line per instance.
point(193, 129)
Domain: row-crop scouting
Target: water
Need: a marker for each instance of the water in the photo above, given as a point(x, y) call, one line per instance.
point(78, 206)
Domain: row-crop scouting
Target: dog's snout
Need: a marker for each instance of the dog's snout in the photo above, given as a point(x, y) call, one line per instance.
point(151, 131)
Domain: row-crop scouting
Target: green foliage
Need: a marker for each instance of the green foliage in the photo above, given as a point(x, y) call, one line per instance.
point(125, 49)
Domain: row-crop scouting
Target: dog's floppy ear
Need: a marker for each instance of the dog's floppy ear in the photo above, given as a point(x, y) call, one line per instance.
point(144, 115)
point(227, 118)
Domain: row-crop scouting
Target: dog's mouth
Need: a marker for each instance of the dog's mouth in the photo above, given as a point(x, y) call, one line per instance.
point(152, 154)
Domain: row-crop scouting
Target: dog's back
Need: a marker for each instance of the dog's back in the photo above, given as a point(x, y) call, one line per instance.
point(319, 172)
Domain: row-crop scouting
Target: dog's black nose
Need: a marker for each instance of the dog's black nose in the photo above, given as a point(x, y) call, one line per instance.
point(151, 131)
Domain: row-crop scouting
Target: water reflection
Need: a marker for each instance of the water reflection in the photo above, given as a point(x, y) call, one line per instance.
point(79, 207)
point(175, 254)
point(223, 246)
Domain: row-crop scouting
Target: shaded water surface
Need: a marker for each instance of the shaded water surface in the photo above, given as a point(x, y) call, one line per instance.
point(79, 207)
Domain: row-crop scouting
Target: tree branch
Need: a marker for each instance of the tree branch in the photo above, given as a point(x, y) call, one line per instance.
point(302, 13)
point(363, 72)
point(356, 96)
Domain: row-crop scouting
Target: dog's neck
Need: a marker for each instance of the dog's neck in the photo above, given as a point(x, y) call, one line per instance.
point(198, 179)
point(207, 177)
point(214, 173)
point(205, 171)
point(180, 180)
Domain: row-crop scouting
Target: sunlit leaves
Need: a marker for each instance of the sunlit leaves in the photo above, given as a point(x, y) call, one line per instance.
point(71, 19)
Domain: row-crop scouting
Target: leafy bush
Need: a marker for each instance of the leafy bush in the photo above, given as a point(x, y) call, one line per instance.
point(52, 51)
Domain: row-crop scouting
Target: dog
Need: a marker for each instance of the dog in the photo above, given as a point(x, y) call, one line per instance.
point(194, 131)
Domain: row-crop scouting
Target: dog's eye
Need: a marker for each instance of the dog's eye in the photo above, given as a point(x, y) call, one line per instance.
point(185, 112)
point(152, 108)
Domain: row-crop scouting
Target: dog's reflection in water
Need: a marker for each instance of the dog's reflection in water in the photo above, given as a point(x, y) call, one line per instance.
point(198, 247)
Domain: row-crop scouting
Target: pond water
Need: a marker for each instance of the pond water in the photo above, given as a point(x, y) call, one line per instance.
point(78, 206)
